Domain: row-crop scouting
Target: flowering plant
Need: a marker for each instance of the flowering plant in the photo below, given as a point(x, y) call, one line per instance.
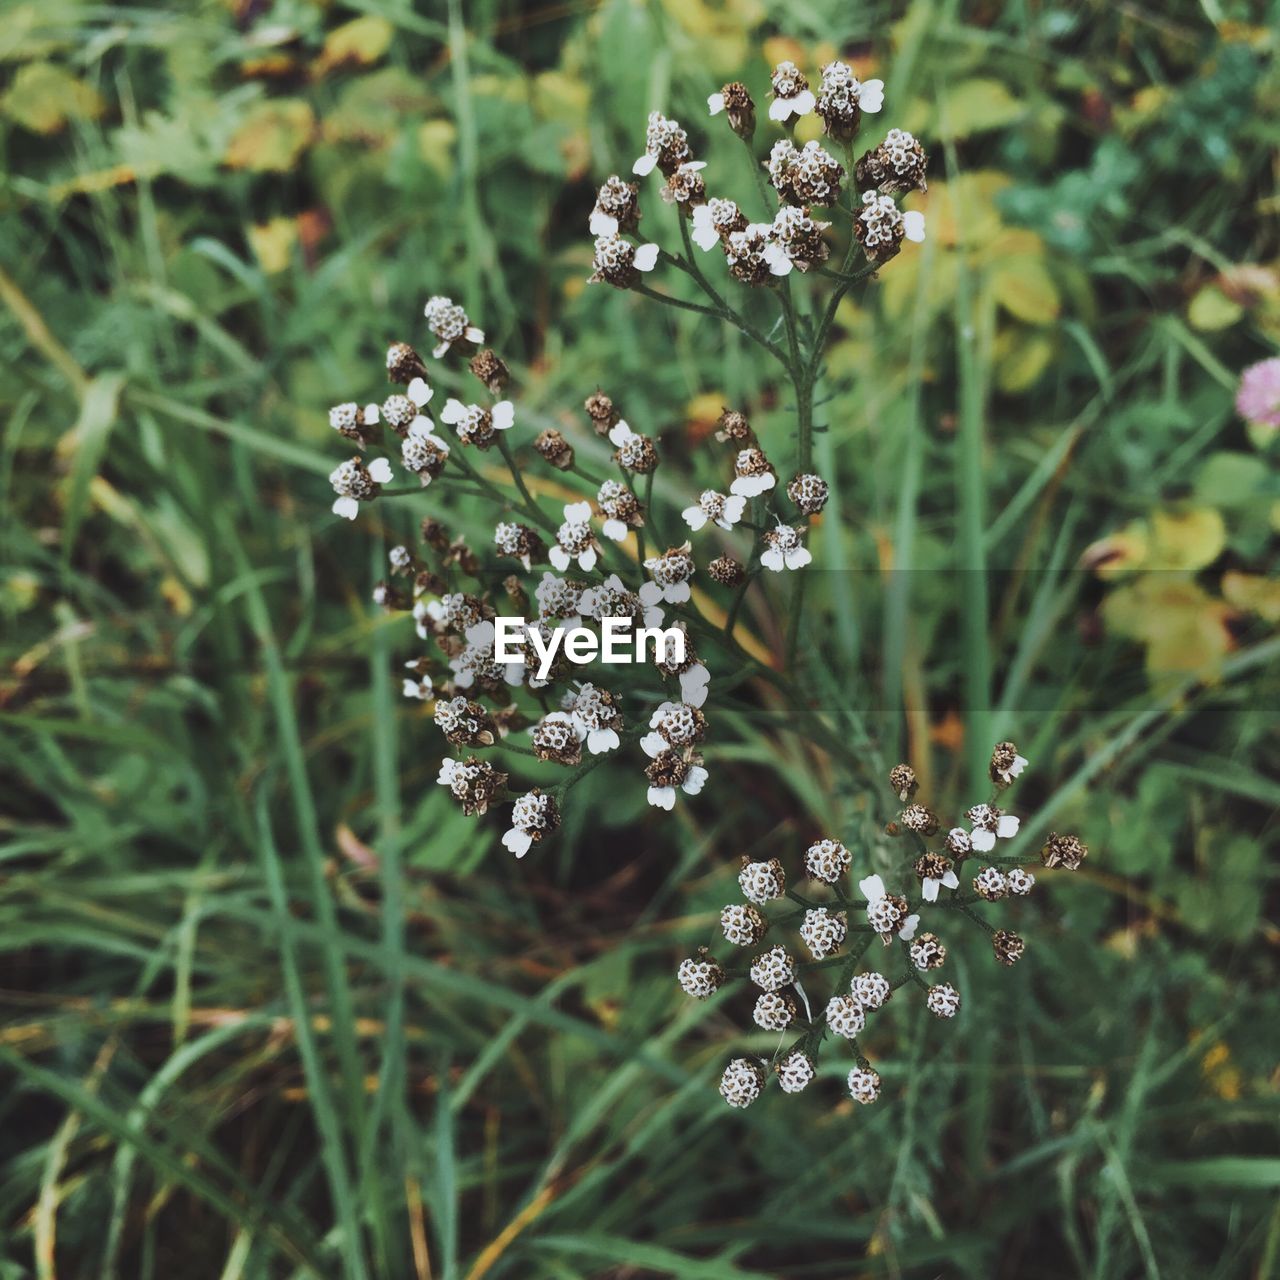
point(828, 220)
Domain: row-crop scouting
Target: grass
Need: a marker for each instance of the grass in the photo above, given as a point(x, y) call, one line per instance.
point(272, 1008)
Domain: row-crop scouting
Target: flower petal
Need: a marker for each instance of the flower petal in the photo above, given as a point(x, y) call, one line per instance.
point(644, 165)
point(871, 888)
point(646, 257)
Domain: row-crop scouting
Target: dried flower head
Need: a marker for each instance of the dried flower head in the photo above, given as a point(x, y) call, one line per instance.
point(1006, 764)
point(686, 187)
point(783, 549)
point(554, 448)
point(404, 364)
point(753, 473)
point(988, 823)
point(449, 325)
point(619, 262)
point(1067, 852)
point(842, 99)
point(807, 176)
point(666, 147)
point(634, 452)
point(476, 425)
point(881, 227)
point(990, 883)
point(359, 425)
point(795, 240)
point(902, 781)
point(895, 166)
point(735, 101)
point(600, 409)
point(1008, 947)
point(533, 817)
point(726, 571)
point(927, 952)
point(355, 483)
point(791, 93)
point(464, 723)
point(715, 221)
point(670, 574)
point(617, 208)
point(555, 737)
point(671, 771)
point(474, 783)
point(488, 366)
point(520, 542)
point(1020, 882)
point(920, 819)
point(732, 425)
point(747, 253)
point(935, 872)
point(773, 969)
point(809, 493)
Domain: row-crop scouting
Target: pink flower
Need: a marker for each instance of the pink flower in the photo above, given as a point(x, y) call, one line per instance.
point(1258, 399)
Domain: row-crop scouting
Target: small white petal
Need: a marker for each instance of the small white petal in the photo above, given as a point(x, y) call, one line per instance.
point(517, 841)
point(694, 781)
point(779, 109)
point(693, 685)
point(871, 96)
point(380, 470)
point(649, 593)
point(620, 433)
point(676, 593)
point(929, 890)
point(715, 103)
point(662, 797)
point(473, 334)
point(776, 256)
point(503, 414)
point(559, 557)
point(453, 412)
point(951, 880)
point(644, 165)
point(1007, 827)
point(370, 415)
point(913, 225)
point(601, 224)
point(772, 559)
point(587, 560)
point(653, 745)
point(440, 348)
point(798, 557)
point(983, 841)
point(347, 508)
point(694, 517)
point(803, 102)
point(412, 689)
point(601, 740)
point(419, 392)
point(646, 257)
point(614, 529)
point(577, 512)
point(734, 507)
point(908, 930)
point(871, 888)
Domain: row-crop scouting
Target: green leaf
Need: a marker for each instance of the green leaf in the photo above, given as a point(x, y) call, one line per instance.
point(88, 438)
point(44, 97)
point(1024, 287)
point(976, 106)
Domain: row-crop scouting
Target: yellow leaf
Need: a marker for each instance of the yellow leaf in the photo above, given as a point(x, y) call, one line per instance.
point(976, 106)
point(1021, 359)
point(963, 212)
point(272, 137)
point(358, 43)
point(435, 145)
point(272, 243)
point(1183, 627)
point(1023, 286)
point(1211, 309)
point(44, 97)
point(1187, 539)
point(1117, 554)
point(1252, 593)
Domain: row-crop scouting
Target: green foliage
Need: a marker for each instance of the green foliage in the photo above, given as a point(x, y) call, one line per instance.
point(271, 1006)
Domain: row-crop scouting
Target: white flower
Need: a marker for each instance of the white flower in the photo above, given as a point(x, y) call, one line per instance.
point(670, 770)
point(476, 424)
point(791, 93)
point(784, 550)
point(753, 474)
point(988, 824)
point(574, 539)
point(716, 507)
point(533, 816)
point(913, 225)
point(670, 574)
point(929, 886)
point(449, 323)
point(871, 96)
point(354, 482)
point(419, 688)
point(477, 658)
point(595, 713)
point(873, 890)
point(693, 684)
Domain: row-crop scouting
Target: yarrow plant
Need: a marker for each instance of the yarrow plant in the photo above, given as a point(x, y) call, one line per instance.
point(587, 567)
point(935, 885)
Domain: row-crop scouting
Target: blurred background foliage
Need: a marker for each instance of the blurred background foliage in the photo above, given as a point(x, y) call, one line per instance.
point(1049, 524)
